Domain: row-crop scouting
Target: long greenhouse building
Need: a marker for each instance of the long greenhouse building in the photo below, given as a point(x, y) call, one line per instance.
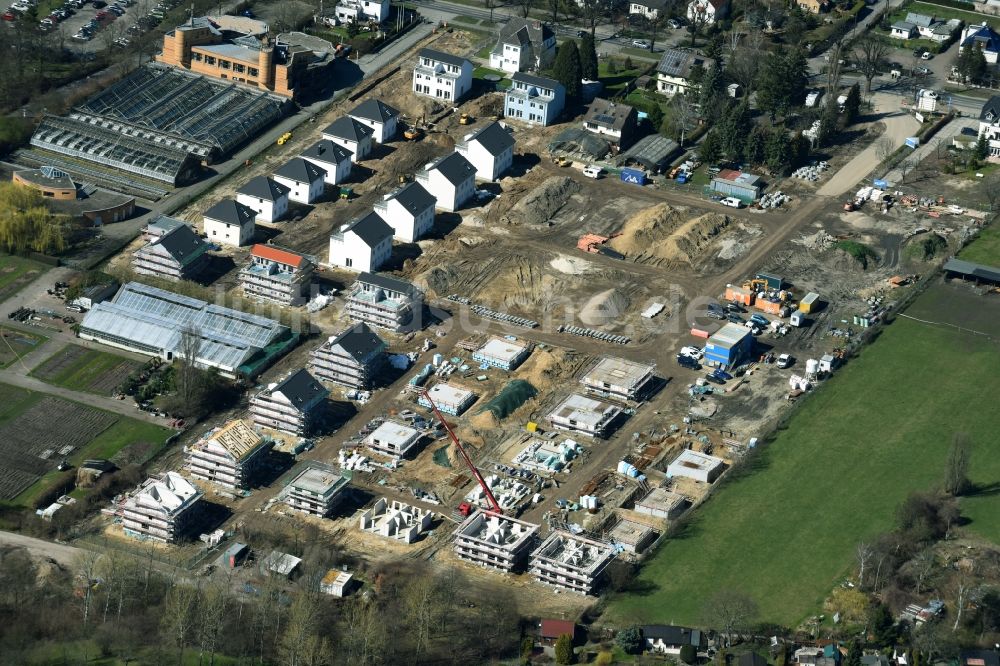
point(153, 321)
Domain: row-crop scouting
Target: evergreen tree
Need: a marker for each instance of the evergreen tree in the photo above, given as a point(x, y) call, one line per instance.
point(710, 89)
point(734, 126)
point(854, 654)
point(564, 649)
point(778, 151)
point(630, 640)
point(828, 123)
point(588, 57)
point(852, 105)
point(567, 69)
point(655, 118)
point(753, 148)
point(710, 149)
point(783, 82)
point(982, 149)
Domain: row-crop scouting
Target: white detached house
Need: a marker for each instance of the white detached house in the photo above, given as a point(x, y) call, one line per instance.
point(451, 180)
point(534, 99)
point(348, 133)
point(379, 116)
point(360, 11)
point(707, 12)
point(334, 159)
point(524, 44)
point(490, 150)
point(363, 244)
point(266, 196)
point(442, 75)
point(651, 9)
point(230, 223)
point(303, 179)
point(409, 210)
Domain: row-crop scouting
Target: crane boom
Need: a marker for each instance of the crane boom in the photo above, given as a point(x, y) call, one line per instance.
point(465, 456)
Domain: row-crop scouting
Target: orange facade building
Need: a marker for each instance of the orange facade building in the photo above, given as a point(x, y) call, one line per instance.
point(203, 46)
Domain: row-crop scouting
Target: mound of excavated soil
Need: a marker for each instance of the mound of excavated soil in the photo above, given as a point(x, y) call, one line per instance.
point(661, 235)
point(604, 308)
point(541, 204)
point(546, 367)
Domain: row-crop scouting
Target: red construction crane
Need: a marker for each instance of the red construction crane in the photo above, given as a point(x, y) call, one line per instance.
point(464, 508)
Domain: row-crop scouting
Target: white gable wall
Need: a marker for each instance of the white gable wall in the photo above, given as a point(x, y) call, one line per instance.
point(302, 192)
point(267, 211)
point(228, 234)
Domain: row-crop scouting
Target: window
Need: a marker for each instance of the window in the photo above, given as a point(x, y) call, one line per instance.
point(224, 64)
point(239, 68)
point(348, 262)
point(209, 60)
point(196, 57)
point(252, 71)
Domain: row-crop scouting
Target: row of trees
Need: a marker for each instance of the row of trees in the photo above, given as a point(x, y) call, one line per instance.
point(575, 62)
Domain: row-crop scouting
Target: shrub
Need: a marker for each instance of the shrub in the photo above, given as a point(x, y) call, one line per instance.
point(564, 649)
point(630, 640)
point(604, 659)
point(688, 654)
point(861, 252)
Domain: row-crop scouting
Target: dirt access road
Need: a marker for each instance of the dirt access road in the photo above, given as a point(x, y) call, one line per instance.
point(67, 556)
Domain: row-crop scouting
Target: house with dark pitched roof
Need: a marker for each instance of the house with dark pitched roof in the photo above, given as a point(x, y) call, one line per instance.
point(277, 275)
point(333, 158)
point(179, 254)
point(451, 180)
point(983, 37)
point(490, 149)
point(668, 639)
point(989, 126)
point(267, 197)
point(524, 45)
point(352, 358)
point(675, 69)
point(229, 222)
point(292, 405)
point(409, 210)
point(352, 135)
point(442, 75)
point(363, 244)
point(618, 122)
point(379, 116)
point(303, 179)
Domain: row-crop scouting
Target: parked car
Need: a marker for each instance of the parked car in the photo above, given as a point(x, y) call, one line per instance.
point(640, 43)
point(760, 320)
point(922, 71)
point(691, 352)
point(735, 307)
point(675, 24)
point(99, 4)
point(784, 361)
point(715, 380)
point(592, 171)
point(688, 362)
point(735, 318)
point(919, 51)
point(722, 374)
point(926, 55)
point(732, 202)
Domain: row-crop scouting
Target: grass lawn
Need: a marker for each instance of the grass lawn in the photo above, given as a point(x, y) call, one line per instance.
point(17, 343)
point(615, 82)
point(16, 272)
point(81, 373)
point(985, 249)
point(785, 532)
point(483, 72)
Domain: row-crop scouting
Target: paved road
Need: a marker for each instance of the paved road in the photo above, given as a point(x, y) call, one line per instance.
point(954, 127)
point(64, 555)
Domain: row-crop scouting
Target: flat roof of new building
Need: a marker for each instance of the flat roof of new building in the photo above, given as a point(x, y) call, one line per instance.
point(496, 530)
point(394, 433)
point(630, 532)
point(575, 552)
point(661, 499)
point(502, 349)
point(319, 481)
point(449, 394)
point(619, 372)
point(694, 460)
point(729, 335)
point(583, 410)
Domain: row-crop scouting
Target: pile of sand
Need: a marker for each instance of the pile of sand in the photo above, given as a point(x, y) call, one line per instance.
point(539, 206)
point(604, 308)
point(660, 235)
point(571, 265)
point(547, 367)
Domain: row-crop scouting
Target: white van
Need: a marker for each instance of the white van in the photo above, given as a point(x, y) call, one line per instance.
point(592, 171)
point(732, 202)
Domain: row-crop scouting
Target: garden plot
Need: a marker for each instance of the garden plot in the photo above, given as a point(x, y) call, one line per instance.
point(33, 442)
point(83, 369)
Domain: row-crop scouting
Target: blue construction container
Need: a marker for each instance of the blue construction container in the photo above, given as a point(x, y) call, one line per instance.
point(634, 176)
point(730, 346)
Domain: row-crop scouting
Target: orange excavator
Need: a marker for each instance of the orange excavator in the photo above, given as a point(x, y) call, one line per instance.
point(465, 508)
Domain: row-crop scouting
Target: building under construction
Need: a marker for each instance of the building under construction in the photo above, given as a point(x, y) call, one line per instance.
point(396, 520)
point(316, 490)
point(571, 562)
point(495, 541)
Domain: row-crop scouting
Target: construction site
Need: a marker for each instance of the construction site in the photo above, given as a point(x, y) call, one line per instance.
point(595, 356)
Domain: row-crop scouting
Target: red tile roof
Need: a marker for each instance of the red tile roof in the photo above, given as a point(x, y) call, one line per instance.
point(728, 174)
point(279, 256)
point(556, 628)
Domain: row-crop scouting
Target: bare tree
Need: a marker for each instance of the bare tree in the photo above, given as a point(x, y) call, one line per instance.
point(884, 147)
point(301, 628)
point(864, 554)
point(212, 611)
point(87, 572)
point(744, 66)
point(833, 70)
point(922, 566)
point(871, 52)
point(956, 469)
point(905, 167)
point(189, 377)
point(525, 7)
point(991, 190)
point(593, 11)
point(965, 582)
point(179, 615)
point(684, 115)
point(731, 611)
point(490, 5)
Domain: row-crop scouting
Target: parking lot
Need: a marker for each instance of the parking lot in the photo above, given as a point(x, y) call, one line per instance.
point(88, 26)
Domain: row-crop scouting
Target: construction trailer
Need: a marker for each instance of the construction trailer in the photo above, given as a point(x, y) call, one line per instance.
point(491, 540)
point(571, 562)
point(396, 520)
point(234, 556)
point(809, 303)
point(729, 346)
